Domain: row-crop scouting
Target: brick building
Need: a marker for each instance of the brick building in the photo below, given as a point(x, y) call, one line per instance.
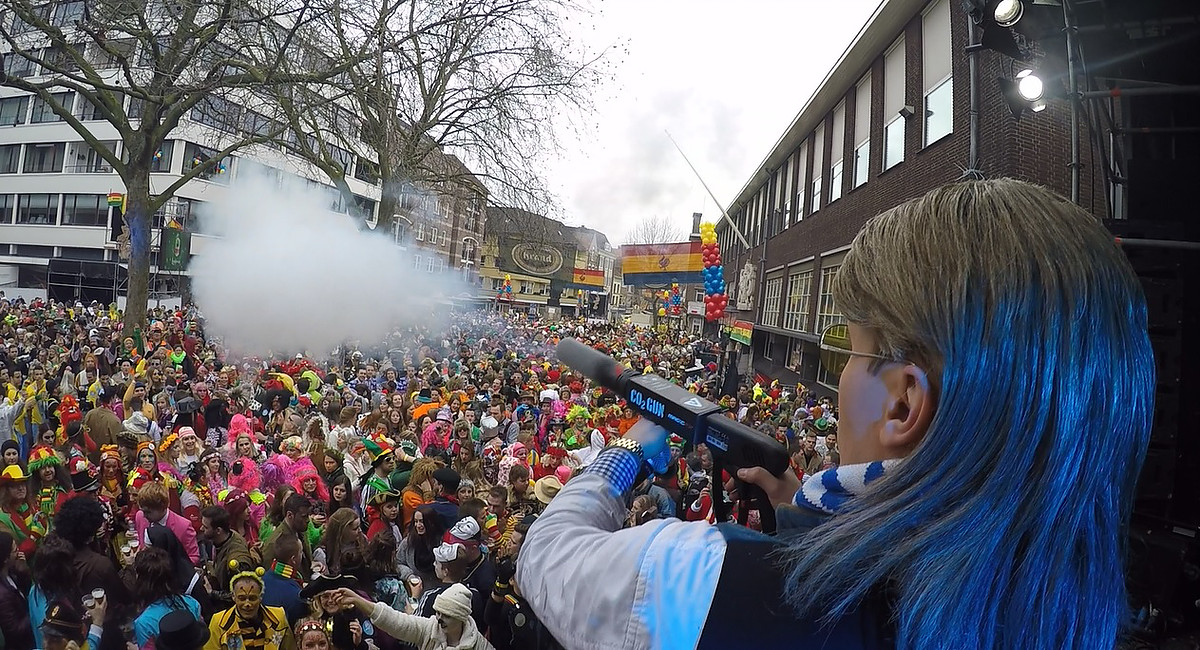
point(889, 122)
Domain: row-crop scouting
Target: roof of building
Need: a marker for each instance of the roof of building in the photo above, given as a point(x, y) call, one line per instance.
point(880, 31)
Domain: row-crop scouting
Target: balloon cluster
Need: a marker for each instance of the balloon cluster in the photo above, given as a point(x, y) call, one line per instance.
point(505, 289)
point(714, 274)
point(672, 301)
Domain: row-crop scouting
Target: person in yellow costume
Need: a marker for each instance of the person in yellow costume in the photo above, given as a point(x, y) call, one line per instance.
point(249, 624)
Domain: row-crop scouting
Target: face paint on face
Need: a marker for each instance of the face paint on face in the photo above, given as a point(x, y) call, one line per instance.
point(146, 459)
point(309, 485)
point(46, 474)
point(247, 598)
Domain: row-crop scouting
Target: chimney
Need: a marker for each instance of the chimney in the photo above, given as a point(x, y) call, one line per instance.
point(696, 216)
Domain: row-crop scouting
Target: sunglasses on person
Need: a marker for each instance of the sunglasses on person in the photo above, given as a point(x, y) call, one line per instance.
point(836, 351)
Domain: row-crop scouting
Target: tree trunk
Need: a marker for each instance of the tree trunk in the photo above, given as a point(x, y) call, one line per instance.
point(137, 220)
point(389, 205)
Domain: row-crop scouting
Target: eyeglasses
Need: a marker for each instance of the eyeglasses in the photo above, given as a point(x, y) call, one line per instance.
point(836, 351)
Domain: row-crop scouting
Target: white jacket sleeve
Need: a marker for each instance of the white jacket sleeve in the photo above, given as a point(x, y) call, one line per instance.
point(606, 588)
point(403, 627)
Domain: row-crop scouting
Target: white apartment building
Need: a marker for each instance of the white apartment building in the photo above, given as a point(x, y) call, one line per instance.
point(56, 227)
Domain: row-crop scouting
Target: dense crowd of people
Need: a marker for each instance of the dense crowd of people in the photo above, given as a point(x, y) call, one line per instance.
point(159, 490)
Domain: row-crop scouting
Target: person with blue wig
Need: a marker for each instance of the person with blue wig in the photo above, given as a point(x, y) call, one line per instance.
point(995, 399)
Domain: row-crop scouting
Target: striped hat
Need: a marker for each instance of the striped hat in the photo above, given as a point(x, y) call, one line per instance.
point(43, 456)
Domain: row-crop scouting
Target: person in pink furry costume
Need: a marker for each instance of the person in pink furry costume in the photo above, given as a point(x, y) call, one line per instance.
point(278, 470)
point(308, 483)
point(244, 478)
point(241, 441)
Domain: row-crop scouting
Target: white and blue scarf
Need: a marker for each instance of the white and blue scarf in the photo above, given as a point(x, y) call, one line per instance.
point(828, 491)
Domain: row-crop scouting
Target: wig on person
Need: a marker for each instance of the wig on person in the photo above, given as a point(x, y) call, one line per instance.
point(78, 520)
point(303, 470)
point(1005, 527)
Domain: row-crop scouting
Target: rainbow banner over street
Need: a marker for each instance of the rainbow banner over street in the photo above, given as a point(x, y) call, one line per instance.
point(643, 264)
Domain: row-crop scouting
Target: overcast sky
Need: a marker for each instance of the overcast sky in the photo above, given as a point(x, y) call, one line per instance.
point(724, 77)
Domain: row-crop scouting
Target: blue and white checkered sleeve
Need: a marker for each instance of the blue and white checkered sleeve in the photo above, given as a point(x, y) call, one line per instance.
point(619, 467)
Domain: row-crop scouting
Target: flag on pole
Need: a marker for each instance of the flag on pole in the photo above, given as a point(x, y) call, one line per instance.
point(116, 200)
point(643, 264)
point(588, 278)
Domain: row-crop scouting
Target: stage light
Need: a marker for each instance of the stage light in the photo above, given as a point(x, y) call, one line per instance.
point(1030, 86)
point(1008, 12)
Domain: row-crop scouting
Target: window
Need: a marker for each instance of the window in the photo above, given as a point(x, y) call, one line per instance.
point(67, 13)
point(89, 112)
point(73, 253)
point(795, 355)
point(431, 264)
point(799, 292)
point(43, 111)
point(218, 113)
point(366, 171)
point(827, 313)
point(10, 159)
point(699, 295)
point(44, 158)
point(85, 160)
point(162, 157)
point(362, 207)
point(769, 346)
point(771, 296)
point(862, 131)
point(112, 54)
point(16, 65)
point(14, 110)
point(420, 230)
point(37, 209)
point(433, 236)
point(936, 73)
point(85, 210)
point(836, 148)
point(893, 102)
point(257, 124)
point(445, 237)
point(195, 155)
point(8, 202)
point(416, 261)
point(939, 112)
point(817, 167)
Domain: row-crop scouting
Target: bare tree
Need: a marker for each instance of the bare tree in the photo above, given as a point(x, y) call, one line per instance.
point(481, 79)
point(142, 65)
point(655, 230)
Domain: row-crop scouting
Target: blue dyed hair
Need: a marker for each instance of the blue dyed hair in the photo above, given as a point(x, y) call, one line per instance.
point(1005, 527)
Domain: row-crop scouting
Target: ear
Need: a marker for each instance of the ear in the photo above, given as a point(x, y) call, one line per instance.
point(910, 409)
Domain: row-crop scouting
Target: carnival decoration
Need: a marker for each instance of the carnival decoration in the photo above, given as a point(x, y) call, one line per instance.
point(715, 300)
point(505, 292)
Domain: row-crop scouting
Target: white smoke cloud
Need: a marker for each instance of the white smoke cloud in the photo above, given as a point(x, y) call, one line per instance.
point(286, 275)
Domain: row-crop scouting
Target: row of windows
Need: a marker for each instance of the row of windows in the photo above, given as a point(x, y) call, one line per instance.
point(54, 209)
point(798, 295)
point(216, 112)
point(791, 194)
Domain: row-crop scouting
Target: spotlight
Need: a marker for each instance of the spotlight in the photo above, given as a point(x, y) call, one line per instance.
point(1008, 12)
point(1025, 93)
point(1030, 86)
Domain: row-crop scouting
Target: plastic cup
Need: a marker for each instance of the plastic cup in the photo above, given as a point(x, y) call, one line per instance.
point(126, 548)
point(98, 593)
point(89, 602)
point(133, 545)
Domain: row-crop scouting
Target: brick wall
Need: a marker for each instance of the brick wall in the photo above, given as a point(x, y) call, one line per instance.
point(1034, 148)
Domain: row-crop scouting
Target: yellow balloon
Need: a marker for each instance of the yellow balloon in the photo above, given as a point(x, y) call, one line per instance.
point(662, 311)
point(708, 239)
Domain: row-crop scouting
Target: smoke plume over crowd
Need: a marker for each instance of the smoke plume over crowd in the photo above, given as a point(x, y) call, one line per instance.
point(286, 275)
